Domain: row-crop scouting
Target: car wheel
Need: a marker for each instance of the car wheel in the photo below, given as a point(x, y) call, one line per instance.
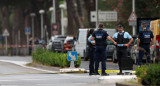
point(85, 57)
point(114, 57)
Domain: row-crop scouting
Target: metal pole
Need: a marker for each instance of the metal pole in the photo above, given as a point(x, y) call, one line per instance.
point(32, 33)
point(51, 22)
point(97, 21)
point(133, 9)
point(54, 12)
point(41, 26)
point(27, 44)
point(62, 30)
point(6, 45)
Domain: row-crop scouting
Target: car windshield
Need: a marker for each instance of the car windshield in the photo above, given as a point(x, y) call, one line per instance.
point(60, 38)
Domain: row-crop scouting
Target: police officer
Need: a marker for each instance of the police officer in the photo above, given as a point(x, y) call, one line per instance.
point(123, 40)
point(100, 37)
point(91, 52)
point(143, 43)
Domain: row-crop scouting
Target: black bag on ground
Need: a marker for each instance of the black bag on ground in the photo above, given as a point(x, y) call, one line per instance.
point(127, 64)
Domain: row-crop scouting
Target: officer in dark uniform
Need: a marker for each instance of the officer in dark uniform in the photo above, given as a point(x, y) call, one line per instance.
point(91, 52)
point(143, 43)
point(123, 40)
point(100, 37)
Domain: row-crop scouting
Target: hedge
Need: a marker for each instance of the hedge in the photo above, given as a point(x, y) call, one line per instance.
point(45, 57)
point(149, 73)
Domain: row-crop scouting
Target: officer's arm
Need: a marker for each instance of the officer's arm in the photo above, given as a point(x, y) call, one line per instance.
point(109, 38)
point(131, 40)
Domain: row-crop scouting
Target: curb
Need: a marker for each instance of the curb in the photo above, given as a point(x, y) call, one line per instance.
point(127, 84)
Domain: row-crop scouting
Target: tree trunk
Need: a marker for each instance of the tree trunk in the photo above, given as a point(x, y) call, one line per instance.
point(70, 29)
point(80, 9)
point(58, 17)
point(90, 6)
point(76, 16)
point(18, 26)
point(5, 21)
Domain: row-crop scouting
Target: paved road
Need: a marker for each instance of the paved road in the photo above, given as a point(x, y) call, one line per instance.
point(15, 75)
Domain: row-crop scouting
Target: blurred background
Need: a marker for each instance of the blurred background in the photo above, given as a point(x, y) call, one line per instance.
point(55, 17)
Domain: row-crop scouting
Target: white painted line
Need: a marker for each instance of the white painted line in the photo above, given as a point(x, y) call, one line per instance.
point(22, 64)
point(117, 78)
point(120, 77)
point(9, 85)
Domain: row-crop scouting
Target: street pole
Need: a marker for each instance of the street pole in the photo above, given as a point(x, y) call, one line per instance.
point(52, 19)
point(62, 28)
point(54, 12)
point(41, 26)
point(32, 15)
point(41, 12)
point(97, 21)
point(133, 10)
point(27, 44)
point(6, 44)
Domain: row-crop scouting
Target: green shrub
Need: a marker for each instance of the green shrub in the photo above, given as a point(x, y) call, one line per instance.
point(150, 73)
point(53, 59)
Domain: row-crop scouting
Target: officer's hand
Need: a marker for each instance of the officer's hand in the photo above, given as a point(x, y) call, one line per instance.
point(94, 43)
point(137, 47)
point(115, 43)
point(127, 45)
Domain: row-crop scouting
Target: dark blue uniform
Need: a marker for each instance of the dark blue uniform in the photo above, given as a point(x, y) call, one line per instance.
point(91, 55)
point(145, 37)
point(100, 53)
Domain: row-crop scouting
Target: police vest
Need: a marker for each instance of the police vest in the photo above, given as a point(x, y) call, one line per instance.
point(100, 37)
point(121, 40)
point(146, 37)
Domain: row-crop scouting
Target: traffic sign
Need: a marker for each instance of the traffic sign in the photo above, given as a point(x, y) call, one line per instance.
point(104, 16)
point(55, 26)
point(5, 33)
point(132, 17)
point(72, 56)
point(27, 31)
point(133, 23)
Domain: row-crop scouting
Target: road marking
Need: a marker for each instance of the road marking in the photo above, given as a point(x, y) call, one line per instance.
point(22, 64)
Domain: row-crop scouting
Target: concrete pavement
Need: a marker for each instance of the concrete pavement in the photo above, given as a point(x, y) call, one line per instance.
point(19, 75)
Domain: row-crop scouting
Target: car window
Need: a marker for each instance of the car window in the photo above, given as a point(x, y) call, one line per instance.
point(70, 41)
point(109, 42)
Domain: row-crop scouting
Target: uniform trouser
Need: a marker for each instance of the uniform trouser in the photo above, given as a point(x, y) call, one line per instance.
point(144, 49)
point(100, 52)
point(91, 56)
point(121, 53)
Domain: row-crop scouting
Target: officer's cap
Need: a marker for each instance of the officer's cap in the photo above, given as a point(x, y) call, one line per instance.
point(144, 24)
point(119, 25)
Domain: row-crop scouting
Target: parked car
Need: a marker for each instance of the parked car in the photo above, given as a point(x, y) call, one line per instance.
point(49, 44)
point(81, 42)
point(57, 43)
point(68, 43)
point(109, 50)
point(135, 52)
